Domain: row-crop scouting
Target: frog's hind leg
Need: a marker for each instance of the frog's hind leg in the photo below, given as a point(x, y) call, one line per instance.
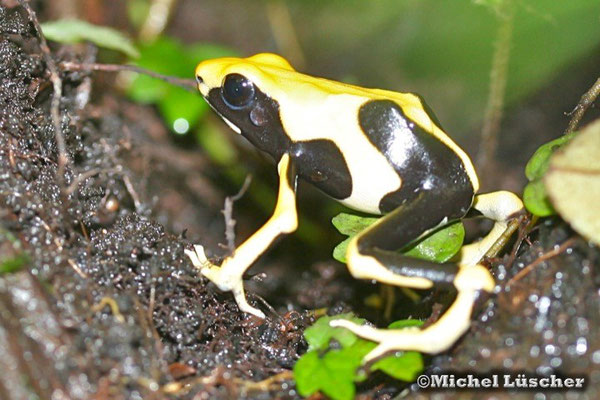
point(370, 256)
point(433, 339)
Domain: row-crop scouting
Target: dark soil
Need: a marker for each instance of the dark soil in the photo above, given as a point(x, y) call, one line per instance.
point(106, 304)
point(543, 323)
point(92, 240)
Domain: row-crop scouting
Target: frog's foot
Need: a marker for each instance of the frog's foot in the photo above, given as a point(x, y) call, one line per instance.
point(388, 340)
point(226, 279)
point(436, 338)
point(198, 257)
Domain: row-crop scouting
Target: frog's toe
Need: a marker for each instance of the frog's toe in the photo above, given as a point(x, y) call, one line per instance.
point(223, 278)
point(377, 352)
point(206, 268)
point(364, 331)
point(197, 256)
point(343, 323)
point(240, 299)
point(384, 338)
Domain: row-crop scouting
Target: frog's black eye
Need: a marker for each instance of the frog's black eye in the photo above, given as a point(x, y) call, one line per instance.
point(237, 91)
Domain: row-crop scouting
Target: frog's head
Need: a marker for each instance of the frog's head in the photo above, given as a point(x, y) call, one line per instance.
point(245, 92)
point(262, 69)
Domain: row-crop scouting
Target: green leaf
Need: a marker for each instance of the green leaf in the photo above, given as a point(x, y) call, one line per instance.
point(305, 373)
point(339, 251)
point(538, 163)
point(536, 199)
point(147, 90)
point(181, 104)
point(335, 372)
point(331, 374)
point(405, 367)
point(168, 56)
point(405, 323)
point(351, 224)
point(158, 56)
point(438, 246)
point(320, 333)
point(76, 31)
point(13, 264)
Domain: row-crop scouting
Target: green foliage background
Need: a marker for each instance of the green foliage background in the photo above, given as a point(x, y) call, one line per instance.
point(442, 49)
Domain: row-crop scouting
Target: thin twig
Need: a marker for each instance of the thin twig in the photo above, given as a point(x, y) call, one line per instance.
point(76, 268)
point(187, 84)
point(82, 177)
point(63, 157)
point(498, 78)
point(584, 103)
point(499, 244)
point(179, 387)
point(129, 186)
point(152, 302)
point(265, 303)
point(266, 384)
point(525, 226)
point(541, 259)
point(228, 214)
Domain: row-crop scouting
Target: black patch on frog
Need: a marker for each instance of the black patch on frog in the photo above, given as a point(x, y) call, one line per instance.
point(319, 162)
point(266, 132)
point(421, 214)
point(423, 162)
point(442, 275)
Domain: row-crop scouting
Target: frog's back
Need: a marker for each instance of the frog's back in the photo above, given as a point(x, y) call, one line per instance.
point(424, 163)
point(395, 129)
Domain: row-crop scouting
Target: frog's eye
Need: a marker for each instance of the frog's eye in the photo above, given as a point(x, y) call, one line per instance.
point(237, 91)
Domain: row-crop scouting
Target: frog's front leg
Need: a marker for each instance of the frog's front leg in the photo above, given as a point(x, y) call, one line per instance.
point(228, 276)
point(370, 256)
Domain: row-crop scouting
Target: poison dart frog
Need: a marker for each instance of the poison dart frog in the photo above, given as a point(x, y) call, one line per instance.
point(376, 151)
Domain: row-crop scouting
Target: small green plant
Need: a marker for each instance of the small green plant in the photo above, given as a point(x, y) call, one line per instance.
point(181, 109)
point(334, 371)
point(77, 31)
point(439, 246)
point(534, 195)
